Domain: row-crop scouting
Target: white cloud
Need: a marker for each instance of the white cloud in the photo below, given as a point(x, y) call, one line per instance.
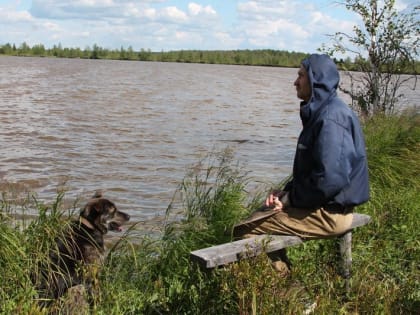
point(261, 10)
point(7, 16)
point(196, 9)
point(150, 13)
point(182, 36)
point(174, 14)
point(270, 24)
point(227, 40)
point(93, 3)
point(322, 22)
point(50, 26)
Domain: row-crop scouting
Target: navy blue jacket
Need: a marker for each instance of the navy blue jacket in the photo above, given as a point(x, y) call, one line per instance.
point(330, 165)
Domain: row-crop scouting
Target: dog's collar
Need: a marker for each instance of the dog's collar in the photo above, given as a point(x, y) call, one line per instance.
point(85, 222)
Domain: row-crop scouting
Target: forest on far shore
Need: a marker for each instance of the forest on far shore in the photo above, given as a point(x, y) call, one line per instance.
point(261, 57)
point(265, 57)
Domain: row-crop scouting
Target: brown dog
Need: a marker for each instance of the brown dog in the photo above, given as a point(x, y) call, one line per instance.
point(79, 252)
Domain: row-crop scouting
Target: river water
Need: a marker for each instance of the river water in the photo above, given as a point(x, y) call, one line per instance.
point(133, 129)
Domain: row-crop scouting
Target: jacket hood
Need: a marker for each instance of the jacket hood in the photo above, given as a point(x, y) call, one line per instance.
point(324, 79)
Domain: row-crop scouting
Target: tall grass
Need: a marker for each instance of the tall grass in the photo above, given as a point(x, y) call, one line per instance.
point(155, 275)
point(24, 246)
point(392, 260)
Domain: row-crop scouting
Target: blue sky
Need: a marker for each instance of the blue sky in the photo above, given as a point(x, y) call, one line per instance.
point(293, 25)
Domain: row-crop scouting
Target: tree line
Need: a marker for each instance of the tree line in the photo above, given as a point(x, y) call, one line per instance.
point(264, 57)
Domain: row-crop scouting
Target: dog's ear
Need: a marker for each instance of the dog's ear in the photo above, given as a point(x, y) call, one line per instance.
point(97, 194)
point(92, 209)
point(87, 210)
point(92, 206)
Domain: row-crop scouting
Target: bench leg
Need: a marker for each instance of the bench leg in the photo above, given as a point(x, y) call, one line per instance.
point(346, 260)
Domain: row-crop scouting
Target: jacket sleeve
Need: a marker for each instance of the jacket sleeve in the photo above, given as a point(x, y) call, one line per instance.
point(330, 157)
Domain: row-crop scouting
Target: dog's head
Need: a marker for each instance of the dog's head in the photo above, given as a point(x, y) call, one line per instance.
point(103, 215)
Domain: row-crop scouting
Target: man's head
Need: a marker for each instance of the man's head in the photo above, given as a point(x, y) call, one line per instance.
point(318, 77)
point(303, 85)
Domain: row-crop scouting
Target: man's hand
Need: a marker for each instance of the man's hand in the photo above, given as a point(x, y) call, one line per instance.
point(274, 200)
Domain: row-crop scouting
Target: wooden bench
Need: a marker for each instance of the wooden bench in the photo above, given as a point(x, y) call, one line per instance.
point(223, 254)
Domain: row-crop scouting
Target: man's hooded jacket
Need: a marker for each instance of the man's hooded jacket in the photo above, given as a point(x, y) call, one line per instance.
point(330, 165)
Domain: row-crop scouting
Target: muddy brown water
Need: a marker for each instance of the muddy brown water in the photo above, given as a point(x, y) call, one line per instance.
point(133, 129)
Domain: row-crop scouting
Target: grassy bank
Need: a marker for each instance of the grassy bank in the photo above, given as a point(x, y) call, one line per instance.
point(155, 276)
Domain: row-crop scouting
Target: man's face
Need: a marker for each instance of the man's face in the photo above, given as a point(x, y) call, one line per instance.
point(303, 87)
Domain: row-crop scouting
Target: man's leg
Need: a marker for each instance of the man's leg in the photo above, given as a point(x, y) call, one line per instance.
point(279, 260)
point(305, 223)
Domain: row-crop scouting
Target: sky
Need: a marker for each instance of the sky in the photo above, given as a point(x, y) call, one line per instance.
point(164, 25)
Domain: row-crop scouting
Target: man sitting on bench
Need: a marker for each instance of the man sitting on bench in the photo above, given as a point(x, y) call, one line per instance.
point(330, 174)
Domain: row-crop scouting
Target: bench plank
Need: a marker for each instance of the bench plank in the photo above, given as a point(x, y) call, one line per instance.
point(223, 254)
point(230, 252)
point(359, 219)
